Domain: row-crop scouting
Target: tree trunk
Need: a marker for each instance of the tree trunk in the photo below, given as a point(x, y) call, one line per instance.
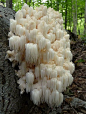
point(70, 20)
point(62, 9)
point(85, 21)
point(57, 3)
point(26, 1)
point(74, 7)
point(11, 101)
point(51, 3)
point(9, 3)
point(33, 5)
point(71, 16)
point(29, 2)
point(66, 15)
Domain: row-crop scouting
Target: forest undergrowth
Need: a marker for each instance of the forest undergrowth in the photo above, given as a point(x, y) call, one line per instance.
point(78, 88)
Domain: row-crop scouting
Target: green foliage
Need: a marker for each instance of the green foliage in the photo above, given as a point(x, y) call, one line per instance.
point(84, 38)
point(57, 4)
point(68, 92)
point(80, 61)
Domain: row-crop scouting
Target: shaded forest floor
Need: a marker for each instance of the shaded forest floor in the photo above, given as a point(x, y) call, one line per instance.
point(75, 95)
point(78, 88)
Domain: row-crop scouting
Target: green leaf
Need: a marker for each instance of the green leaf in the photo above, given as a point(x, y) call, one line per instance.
point(80, 61)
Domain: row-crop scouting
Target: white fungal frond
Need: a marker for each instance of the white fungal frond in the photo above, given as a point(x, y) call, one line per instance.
point(41, 47)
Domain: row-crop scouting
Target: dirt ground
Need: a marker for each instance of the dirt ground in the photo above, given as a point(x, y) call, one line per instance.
point(78, 88)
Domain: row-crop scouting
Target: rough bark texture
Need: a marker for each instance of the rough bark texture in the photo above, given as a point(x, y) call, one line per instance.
point(66, 15)
point(10, 99)
point(11, 102)
point(85, 21)
point(57, 2)
point(9, 3)
point(74, 10)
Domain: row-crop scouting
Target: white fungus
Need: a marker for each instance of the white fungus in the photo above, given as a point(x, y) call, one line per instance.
point(41, 47)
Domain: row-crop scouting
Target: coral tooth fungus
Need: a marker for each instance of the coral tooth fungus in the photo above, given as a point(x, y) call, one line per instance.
point(41, 47)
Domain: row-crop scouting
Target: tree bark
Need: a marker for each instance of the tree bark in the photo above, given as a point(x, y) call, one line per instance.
point(66, 15)
point(10, 99)
point(57, 3)
point(74, 7)
point(9, 3)
point(85, 21)
point(51, 3)
point(70, 14)
point(26, 1)
point(29, 2)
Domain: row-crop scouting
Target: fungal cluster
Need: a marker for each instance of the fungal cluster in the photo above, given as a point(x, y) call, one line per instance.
point(41, 47)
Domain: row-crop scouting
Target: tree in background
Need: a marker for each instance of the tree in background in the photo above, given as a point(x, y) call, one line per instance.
point(85, 21)
point(9, 3)
point(74, 9)
point(57, 3)
point(66, 14)
point(69, 21)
